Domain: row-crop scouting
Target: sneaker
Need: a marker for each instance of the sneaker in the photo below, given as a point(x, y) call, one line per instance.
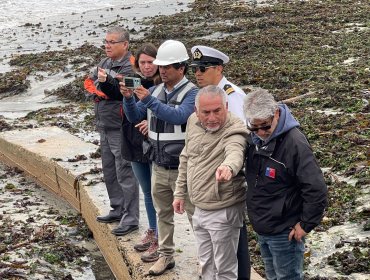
point(152, 254)
point(146, 240)
point(162, 264)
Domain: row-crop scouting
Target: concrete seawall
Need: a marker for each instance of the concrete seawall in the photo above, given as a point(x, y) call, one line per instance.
point(62, 163)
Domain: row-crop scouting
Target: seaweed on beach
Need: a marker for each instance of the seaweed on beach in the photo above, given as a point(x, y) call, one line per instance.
point(52, 62)
point(342, 203)
point(76, 118)
point(13, 82)
point(291, 48)
point(352, 261)
point(79, 60)
point(29, 247)
point(72, 92)
point(4, 126)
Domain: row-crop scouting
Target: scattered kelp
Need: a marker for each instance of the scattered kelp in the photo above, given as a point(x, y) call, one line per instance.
point(76, 118)
point(342, 203)
point(37, 244)
point(4, 126)
point(352, 261)
point(13, 82)
point(290, 48)
point(51, 62)
point(55, 61)
point(254, 251)
point(339, 140)
point(73, 92)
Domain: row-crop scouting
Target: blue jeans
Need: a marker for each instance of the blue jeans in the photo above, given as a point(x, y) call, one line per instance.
point(283, 258)
point(143, 172)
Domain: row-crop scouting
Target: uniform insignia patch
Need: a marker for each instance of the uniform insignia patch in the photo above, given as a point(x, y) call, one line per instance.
point(228, 89)
point(197, 55)
point(270, 172)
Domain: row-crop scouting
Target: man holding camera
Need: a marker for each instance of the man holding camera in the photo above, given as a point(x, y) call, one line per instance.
point(122, 187)
point(167, 108)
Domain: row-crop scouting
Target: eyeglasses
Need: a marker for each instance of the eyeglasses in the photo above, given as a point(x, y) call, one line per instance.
point(254, 129)
point(201, 68)
point(105, 42)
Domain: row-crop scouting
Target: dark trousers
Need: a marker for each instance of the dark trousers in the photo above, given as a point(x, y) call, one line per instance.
point(244, 265)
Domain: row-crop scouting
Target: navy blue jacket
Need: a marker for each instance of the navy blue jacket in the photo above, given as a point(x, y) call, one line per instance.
point(285, 183)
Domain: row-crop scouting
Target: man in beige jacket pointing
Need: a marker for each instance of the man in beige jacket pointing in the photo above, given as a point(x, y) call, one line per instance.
point(209, 172)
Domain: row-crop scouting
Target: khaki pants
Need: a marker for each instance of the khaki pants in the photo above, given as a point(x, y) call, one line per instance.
point(217, 237)
point(163, 187)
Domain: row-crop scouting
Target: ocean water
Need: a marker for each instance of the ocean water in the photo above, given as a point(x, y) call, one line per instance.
point(39, 25)
point(16, 12)
point(34, 26)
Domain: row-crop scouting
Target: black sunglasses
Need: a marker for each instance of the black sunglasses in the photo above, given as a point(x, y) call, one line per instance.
point(202, 68)
point(254, 129)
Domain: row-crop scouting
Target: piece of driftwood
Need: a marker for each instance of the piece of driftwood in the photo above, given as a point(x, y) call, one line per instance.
point(247, 89)
point(296, 98)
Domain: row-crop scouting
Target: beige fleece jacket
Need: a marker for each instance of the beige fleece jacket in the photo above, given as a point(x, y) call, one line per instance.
point(204, 151)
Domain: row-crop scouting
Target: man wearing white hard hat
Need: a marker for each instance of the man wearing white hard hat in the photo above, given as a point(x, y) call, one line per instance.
point(207, 65)
point(167, 108)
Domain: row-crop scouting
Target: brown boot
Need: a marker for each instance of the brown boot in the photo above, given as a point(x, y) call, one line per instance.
point(162, 264)
point(146, 240)
point(152, 254)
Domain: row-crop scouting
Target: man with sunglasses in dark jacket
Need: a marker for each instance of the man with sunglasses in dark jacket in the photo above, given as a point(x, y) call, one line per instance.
point(286, 194)
point(207, 66)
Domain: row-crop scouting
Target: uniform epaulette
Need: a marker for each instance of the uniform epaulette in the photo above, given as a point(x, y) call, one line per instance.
point(228, 89)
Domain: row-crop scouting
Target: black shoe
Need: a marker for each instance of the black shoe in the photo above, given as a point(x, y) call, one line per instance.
point(108, 218)
point(123, 230)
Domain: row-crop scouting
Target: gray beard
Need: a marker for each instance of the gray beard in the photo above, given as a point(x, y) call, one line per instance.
point(211, 130)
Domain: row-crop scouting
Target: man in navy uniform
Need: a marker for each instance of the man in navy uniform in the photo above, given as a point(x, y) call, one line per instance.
point(208, 65)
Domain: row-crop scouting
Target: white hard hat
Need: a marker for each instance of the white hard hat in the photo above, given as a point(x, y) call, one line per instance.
point(171, 52)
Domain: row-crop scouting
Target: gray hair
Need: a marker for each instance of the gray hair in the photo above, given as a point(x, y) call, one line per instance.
point(259, 104)
point(123, 33)
point(211, 91)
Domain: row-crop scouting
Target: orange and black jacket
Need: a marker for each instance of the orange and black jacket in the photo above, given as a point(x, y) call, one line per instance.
point(108, 105)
